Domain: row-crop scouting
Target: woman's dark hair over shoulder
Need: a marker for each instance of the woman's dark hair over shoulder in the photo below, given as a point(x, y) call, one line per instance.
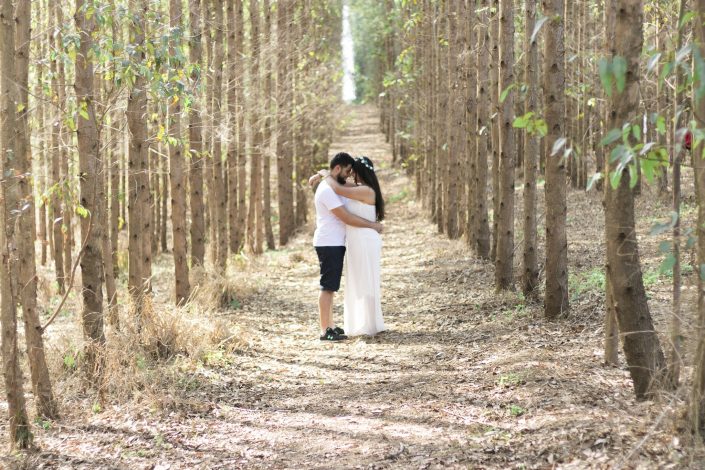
point(365, 171)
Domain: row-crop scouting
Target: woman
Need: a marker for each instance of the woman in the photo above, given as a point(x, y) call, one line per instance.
point(363, 306)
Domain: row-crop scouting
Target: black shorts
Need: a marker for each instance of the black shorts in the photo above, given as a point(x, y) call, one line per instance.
point(330, 259)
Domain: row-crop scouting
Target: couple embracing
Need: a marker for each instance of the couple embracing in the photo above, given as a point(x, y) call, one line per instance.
point(349, 209)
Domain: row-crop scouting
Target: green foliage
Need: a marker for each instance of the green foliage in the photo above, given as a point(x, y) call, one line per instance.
point(533, 124)
point(591, 281)
point(510, 380)
point(400, 196)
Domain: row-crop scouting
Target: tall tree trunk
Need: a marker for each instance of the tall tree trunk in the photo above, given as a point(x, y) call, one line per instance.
point(697, 398)
point(285, 188)
point(239, 236)
point(177, 175)
point(220, 202)
point(556, 300)
point(504, 262)
point(92, 196)
point(56, 213)
point(483, 132)
point(41, 382)
point(468, 23)
point(139, 252)
point(494, 124)
point(441, 115)
point(530, 279)
point(10, 198)
point(269, 109)
point(675, 352)
point(456, 118)
point(641, 345)
point(234, 63)
point(195, 128)
point(65, 159)
point(254, 232)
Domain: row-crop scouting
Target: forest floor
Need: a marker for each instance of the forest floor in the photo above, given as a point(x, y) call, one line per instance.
point(463, 378)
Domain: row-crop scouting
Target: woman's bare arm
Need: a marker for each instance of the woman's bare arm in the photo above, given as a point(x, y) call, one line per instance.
point(359, 193)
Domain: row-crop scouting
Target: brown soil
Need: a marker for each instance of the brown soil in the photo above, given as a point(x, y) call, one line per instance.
point(463, 378)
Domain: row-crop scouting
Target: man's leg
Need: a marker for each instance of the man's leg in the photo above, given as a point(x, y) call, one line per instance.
point(325, 309)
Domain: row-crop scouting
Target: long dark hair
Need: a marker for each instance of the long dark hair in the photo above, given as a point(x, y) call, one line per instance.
point(365, 171)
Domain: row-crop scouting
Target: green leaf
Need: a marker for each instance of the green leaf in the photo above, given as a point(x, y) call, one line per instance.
point(686, 17)
point(593, 179)
point(633, 176)
point(662, 227)
point(667, 264)
point(667, 68)
point(665, 246)
point(636, 132)
point(541, 127)
point(653, 62)
point(606, 76)
point(619, 70)
point(661, 125)
point(558, 145)
point(537, 28)
point(615, 178)
point(506, 91)
point(521, 122)
point(612, 136)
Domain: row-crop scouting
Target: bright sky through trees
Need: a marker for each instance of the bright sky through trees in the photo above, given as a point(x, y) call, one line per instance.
point(348, 57)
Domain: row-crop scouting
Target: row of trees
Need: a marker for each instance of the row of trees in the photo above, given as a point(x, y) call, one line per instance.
point(474, 95)
point(166, 119)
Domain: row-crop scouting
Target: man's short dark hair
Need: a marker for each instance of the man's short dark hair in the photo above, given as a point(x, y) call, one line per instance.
point(342, 159)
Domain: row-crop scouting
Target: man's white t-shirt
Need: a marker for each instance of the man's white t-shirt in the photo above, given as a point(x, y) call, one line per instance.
point(330, 230)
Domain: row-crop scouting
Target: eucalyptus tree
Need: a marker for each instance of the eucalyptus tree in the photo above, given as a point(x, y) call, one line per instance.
point(642, 348)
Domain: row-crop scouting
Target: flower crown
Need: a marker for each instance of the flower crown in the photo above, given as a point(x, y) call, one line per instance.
point(366, 162)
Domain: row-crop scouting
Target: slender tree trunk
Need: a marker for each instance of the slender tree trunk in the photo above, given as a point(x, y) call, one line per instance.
point(139, 252)
point(530, 280)
point(441, 123)
point(241, 133)
point(41, 382)
point(92, 195)
point(10, 198)
point(483, 132)
point(254, 238)
point(177, 176)
point(494, 124)
point(468, 22)
point(56, 213)
point(285, 188)
point(269, 109)
point(195, 128)
point(504, 262)
point(64, 161)
point(641, 345)
point(556, 300)
point(220, 220)
point(697, 398)
point(675, 352)
point(234, 63)
point(456, 119)
point(163, 246)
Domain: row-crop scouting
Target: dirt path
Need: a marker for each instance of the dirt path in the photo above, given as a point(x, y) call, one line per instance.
point(463, 378)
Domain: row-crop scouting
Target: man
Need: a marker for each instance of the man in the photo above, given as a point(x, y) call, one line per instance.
point(329, 241)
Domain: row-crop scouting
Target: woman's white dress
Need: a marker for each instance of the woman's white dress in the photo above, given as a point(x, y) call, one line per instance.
point(363, 305)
